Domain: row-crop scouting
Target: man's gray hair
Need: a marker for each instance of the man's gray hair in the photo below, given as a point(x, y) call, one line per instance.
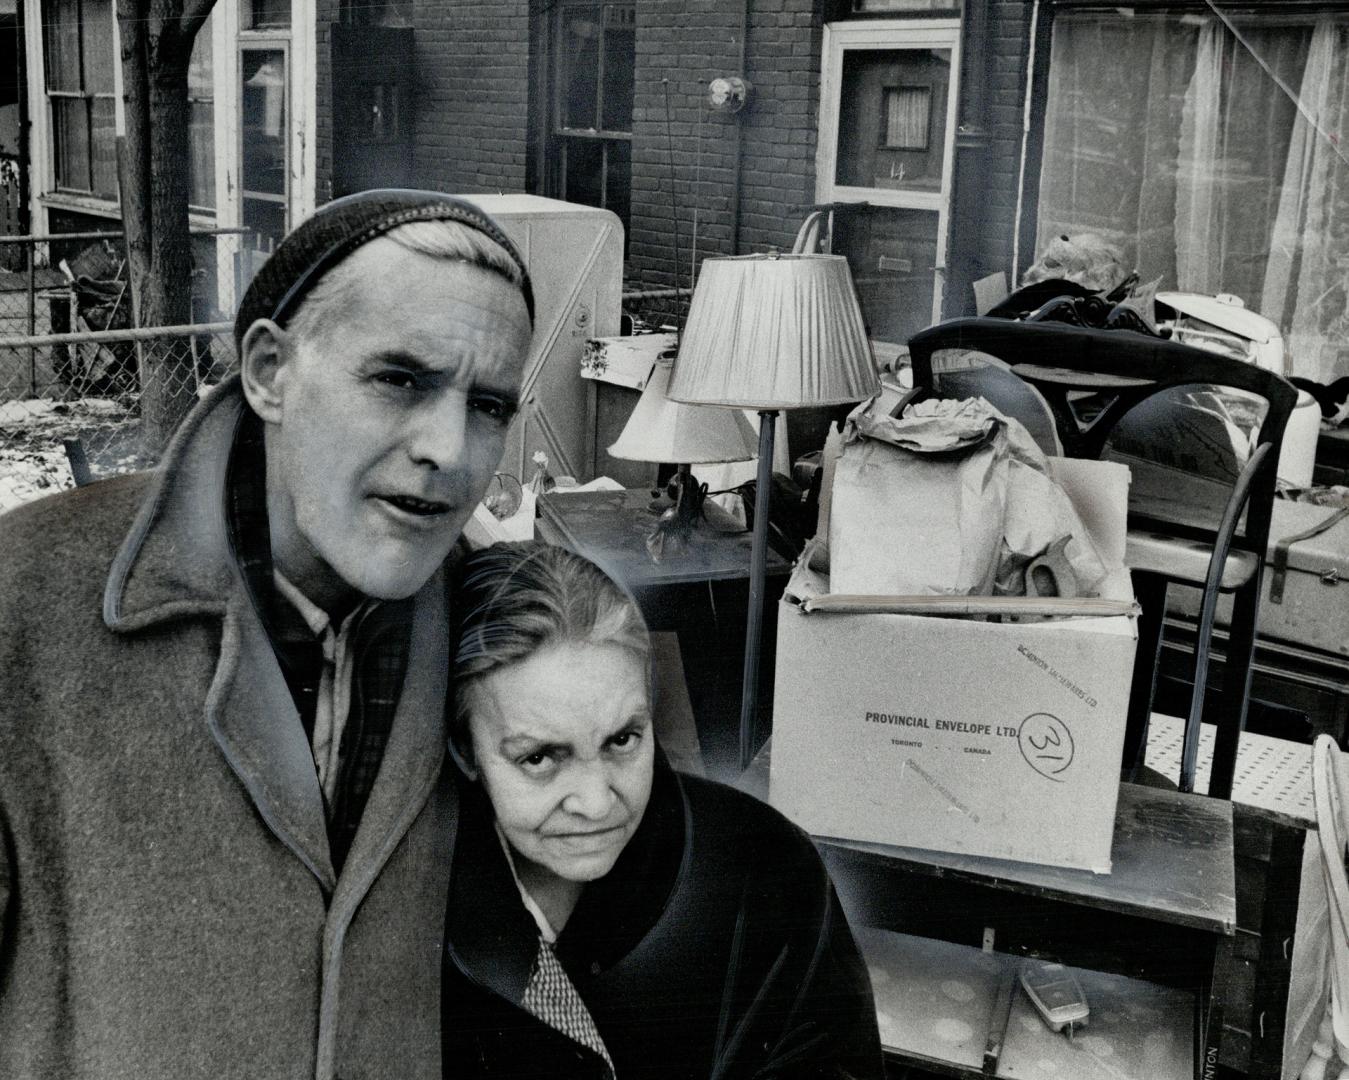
point(439, 238)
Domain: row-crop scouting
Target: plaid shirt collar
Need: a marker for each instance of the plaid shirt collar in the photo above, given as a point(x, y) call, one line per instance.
point(381, 646)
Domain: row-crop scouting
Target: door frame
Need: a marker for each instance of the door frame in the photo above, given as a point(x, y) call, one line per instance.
point(876, 36)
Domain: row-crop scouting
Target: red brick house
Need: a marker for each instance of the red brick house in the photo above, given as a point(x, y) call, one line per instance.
point(1201, 139)
point(953, 137)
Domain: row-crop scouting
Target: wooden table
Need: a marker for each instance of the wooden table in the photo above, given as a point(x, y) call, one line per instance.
point(610, 528)
point(1154, 928)
point(700, 593)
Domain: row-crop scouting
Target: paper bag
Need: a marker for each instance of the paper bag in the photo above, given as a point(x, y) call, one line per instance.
point(950, 498)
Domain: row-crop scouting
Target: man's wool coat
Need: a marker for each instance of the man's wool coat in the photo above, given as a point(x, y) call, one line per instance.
point(169, 906)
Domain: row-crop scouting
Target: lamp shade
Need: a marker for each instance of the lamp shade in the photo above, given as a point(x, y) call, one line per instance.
point(664, 430)
point(774, 332)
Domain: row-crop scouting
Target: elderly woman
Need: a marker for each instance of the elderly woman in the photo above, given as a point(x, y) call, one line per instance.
point(608, 917)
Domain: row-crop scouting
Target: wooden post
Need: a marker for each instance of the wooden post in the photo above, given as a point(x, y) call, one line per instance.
point(32, 319)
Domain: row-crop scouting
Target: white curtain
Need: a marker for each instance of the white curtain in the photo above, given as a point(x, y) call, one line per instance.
point(1197, 229)
point(1305, 281)
point(1111, 127)
point(1192, 151)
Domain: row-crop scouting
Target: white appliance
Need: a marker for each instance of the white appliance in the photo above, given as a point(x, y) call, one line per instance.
point(575, 258)
point(1223, 324)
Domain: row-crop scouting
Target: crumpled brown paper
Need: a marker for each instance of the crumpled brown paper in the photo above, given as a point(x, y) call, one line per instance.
point(953, 498)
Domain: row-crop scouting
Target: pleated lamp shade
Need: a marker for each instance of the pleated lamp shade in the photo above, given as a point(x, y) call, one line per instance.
point(774, 332)
point(667, 431)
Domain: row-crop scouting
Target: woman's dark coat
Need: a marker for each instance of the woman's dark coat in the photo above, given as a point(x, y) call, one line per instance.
point(714, 948)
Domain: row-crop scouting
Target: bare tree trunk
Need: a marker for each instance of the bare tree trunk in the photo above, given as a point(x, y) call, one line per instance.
point(168, 376)
point(157, 37)
point(133, 162)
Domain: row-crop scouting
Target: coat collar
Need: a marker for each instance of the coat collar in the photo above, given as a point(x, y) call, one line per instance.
point(176, 563)
point(493, 939)
point(175, 560)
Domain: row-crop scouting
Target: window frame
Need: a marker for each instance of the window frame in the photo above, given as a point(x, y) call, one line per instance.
point(265, 41)
point(559, 136)
point(889, 35)
point(61, 184)
point(196, 208)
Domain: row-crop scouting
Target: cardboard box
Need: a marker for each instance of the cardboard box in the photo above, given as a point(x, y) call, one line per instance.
point(961, 735)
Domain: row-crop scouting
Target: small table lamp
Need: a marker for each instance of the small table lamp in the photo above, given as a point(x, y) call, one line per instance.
point(667, 431)
point(771, 332)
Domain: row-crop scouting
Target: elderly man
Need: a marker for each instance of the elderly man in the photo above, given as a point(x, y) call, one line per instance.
point(223, 818)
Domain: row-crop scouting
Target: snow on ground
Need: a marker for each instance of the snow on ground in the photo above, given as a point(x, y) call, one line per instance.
point(31, 475)
point(33, 460)
point(22, 413)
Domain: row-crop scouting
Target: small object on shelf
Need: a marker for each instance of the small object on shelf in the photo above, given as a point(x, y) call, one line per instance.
point(504, 495)
point(542, 481)
point(676, 524)
point(1056, 995)
point(998, 1020)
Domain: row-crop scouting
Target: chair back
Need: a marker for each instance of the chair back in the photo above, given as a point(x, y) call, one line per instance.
point(1185, 420)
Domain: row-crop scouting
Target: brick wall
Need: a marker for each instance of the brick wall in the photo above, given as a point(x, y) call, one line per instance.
point(681, 47)
point(472, 122)
point(326, 14)
point(472, 94)
point(1009, 28)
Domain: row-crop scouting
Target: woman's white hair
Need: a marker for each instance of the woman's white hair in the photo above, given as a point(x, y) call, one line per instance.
point(519, 598)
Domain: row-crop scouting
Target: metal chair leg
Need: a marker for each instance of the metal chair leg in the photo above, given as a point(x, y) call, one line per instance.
point(1150, 592)
point(1236, 692)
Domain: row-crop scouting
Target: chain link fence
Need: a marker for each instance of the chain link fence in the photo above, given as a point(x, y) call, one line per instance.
point(72, 406)
point(69, 282)
point(71, 402)
point(77, 383)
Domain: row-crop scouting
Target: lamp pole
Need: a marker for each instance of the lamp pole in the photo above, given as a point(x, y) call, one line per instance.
point(758, 570)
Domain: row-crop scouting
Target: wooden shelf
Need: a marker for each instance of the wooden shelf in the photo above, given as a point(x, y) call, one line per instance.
point(1152, 932)
point(937, 1006)
point(1172, 859)
point(934, 1000)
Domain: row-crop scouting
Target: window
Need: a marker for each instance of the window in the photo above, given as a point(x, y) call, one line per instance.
point(265, 14)
point(906, 7)
point(1206, 150)
point(903, 88)
point(908, 115)
point(375, 13)
point(263, 131)
point(590, 148)
point(79, 51)
point(201, 122)
point(80, 58)
point(888, 93)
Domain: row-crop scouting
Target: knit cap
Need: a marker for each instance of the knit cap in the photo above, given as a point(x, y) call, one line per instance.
point(338, 229)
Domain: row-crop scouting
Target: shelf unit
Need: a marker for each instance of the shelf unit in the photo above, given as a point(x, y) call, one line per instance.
point(947, 1008)
point(1154, 929)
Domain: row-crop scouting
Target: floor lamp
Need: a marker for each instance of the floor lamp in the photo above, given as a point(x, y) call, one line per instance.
point(771, 332)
